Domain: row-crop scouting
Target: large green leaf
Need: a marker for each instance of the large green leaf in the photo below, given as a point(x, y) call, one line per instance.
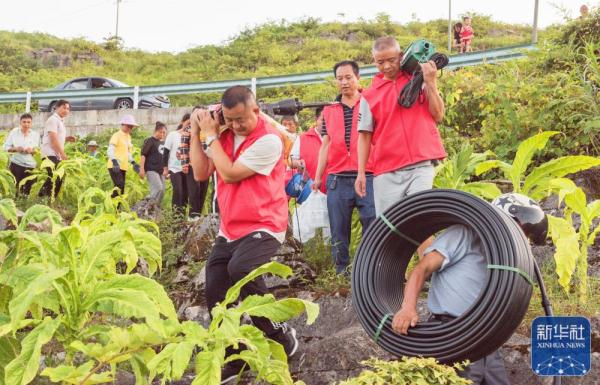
point(208, 368)
point(139, 364)
point(275, 268)
point(525, 153)
point(24, 367)
point(38, 278)
point(39, 214)
point(484, 190)
point(567, 252)
point(149, 287)
point(77, 375)
point(278, 311)
point(172, 361)
point(9, 348)
point(593, 209)
point(195, 333)
point(536, 183)
point(8, 211)
point(487, 165)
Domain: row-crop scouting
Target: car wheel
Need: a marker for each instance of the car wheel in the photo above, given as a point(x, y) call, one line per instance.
point(52, 107)
point(122, 104)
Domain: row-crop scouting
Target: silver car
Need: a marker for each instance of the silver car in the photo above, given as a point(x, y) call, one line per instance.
point(101, 102)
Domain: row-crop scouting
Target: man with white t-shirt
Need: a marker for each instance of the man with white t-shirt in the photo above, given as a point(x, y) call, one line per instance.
point(53, 145)
point(22, 143)
point(248, 159)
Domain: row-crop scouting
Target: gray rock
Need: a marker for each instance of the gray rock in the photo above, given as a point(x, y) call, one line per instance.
point(199, 281)
point(198, 314)
point(182, 274)
point(200, 237)
point(323, 361)
point(336, 313)
point(148, 209)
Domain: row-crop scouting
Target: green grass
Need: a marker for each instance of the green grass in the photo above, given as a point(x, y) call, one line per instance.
point(563, 304)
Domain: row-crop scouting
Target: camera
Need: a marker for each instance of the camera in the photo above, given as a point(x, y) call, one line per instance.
point(216, 112)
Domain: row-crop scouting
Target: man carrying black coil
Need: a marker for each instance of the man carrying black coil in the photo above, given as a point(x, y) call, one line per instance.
point(457, 267)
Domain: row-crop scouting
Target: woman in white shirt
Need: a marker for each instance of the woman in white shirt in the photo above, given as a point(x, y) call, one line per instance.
point(22, 142)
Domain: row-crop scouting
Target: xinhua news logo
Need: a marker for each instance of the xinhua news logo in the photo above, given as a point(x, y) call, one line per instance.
point(561, 346)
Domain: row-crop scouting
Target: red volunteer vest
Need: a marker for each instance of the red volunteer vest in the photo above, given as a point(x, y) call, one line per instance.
point(310, 144)
point(339, 157)
point(257, 202)
point(402, 136)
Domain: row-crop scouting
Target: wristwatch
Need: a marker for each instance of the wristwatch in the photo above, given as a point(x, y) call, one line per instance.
point(210, 139)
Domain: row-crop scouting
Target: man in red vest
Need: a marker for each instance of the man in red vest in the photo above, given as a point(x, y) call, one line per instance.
point(305, 151)
point(403, 142)
point(248, 158)
point(338, 156)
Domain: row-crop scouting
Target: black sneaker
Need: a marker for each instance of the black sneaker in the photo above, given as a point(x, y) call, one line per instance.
point(232, 371)
point(291, 342)
point(286, 336)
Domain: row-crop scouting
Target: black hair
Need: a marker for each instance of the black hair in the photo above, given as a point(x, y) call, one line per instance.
point(159, 125)
point(318, 111)
point(61, 103)
point(185, 117)
point(457, 33)
point(236, 95)
point(26, 116)
point(351, 63)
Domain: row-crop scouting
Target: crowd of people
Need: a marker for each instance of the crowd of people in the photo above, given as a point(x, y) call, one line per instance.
point(365, 152)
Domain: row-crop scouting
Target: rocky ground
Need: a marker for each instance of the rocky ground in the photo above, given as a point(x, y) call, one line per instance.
point(332, 349)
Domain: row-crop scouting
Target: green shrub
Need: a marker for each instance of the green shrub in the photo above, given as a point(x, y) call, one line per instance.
point(408, 371)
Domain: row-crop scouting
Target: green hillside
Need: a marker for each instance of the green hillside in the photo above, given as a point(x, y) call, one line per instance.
point(273, 48)
point(494, 106)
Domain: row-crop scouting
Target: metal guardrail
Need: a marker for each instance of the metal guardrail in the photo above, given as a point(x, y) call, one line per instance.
point(456, 61)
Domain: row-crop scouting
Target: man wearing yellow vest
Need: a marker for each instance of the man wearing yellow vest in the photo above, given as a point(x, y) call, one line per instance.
point(120, 154)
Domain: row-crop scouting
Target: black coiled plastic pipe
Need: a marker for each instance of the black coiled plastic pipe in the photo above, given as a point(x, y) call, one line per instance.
point(410, 92)
point(383, 256)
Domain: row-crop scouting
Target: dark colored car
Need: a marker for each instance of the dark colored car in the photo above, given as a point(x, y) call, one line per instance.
point(103, 103)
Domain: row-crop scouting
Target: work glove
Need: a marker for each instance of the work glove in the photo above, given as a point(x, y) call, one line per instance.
point(136, 167)
point(115, 166)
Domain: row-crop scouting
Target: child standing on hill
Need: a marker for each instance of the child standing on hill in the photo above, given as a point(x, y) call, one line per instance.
point(466, 35)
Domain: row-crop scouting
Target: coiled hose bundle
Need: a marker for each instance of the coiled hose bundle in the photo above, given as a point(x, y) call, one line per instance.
point(412, 89)
point(386, 249)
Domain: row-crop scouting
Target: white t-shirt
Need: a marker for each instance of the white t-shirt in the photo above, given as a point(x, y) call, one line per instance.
point(172, 144)
point(53, 124)
point(261, 157)
point(16, 138)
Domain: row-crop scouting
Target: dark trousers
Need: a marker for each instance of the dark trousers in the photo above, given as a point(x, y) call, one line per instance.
point(187, 190)
point(341, 201)
point(231, 261)
point(489, 370)
point(196, 193)
point(179, 198)
point(20, 173)
point(118, 178)
point(46, 189)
